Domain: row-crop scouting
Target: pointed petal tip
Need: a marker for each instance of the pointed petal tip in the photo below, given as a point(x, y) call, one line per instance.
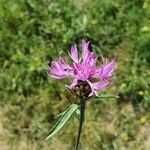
point(85, 42)
point(73, 53)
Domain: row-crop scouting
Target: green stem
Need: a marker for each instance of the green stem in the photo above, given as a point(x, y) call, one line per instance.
point(82, 110)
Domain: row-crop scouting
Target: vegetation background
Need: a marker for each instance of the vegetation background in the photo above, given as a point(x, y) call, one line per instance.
point(33, 32)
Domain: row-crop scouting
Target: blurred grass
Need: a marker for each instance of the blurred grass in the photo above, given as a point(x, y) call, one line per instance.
point(33, 33)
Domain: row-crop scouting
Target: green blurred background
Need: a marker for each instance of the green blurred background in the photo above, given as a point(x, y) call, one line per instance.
point(33, 32)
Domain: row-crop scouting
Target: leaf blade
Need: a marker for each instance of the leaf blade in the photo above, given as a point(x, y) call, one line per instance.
point(108, 96)
point(62, 120)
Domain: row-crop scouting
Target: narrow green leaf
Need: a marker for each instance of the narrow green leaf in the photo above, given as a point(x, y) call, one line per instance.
point(108, 96)
point(62, 120)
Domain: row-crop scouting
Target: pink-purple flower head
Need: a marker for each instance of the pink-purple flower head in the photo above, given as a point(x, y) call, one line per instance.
point(87, 77)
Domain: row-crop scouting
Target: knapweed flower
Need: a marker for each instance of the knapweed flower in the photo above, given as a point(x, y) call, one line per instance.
point(87, 77)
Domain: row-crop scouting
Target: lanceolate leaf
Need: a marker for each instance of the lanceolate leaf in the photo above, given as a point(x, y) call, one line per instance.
point(107, 96)
point(62, 120)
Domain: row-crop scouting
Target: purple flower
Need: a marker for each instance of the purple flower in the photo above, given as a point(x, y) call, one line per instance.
point(87, 77)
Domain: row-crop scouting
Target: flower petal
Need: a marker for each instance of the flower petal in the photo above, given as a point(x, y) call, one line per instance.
point(85, 50)
point(96, 86)
point(74, 54)
point(59, 69)
point(90, 59)
point(80, 72)
point(93, 92)
point(73, 84)
point(87, 56)
point(106, 70)
point(100, 84)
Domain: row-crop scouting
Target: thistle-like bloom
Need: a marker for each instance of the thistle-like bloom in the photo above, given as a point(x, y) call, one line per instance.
point(87, 77)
